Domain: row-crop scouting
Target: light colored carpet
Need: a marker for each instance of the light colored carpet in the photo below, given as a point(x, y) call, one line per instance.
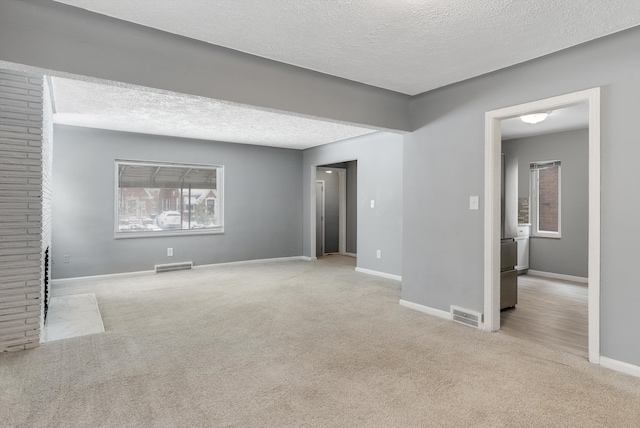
point(296, 344)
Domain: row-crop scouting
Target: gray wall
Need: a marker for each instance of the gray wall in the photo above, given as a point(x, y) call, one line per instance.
point(261, 189)
point(444, 165)
point(379, 157)
point(569, 254)
point(331, 210)
point(62, 38)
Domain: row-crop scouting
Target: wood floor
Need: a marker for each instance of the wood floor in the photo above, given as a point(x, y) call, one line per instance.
point(550, 312)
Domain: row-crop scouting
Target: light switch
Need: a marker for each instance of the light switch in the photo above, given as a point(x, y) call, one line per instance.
point(373, 203)
point(473, 202)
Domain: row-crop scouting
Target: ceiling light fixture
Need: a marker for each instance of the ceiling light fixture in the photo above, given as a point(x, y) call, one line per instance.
point(328, 171)
point(534, 118)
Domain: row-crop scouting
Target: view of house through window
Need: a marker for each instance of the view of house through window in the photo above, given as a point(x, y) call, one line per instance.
point(545, 198)
point(156, 198)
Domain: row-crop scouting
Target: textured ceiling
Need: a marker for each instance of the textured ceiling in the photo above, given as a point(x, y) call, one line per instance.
point(563, 119)
point(408, 46)
point(127, 108)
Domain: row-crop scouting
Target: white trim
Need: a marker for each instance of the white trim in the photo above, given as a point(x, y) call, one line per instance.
point(492, 152)
point(308, 259)
point(558, 276)
point(312, 213)
point(492, 178)
point(534, 204)
point(152, 272)
point(620, 366)
point(594, 226)
point(426, 309)
point(312, 201)
point(105, 276)
point(351, 255)
point(380, 274)
point(342, 210)
point(323, 185)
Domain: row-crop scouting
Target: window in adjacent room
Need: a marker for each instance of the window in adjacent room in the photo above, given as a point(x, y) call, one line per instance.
point(545, 210)
point(157, 199)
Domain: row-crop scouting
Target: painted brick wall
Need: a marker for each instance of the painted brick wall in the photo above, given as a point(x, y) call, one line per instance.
point(47, 184)
point(21, 107)
point(549, 203)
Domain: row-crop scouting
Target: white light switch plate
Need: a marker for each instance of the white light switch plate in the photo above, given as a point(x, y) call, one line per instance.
point(373, 203)
point(473, 202)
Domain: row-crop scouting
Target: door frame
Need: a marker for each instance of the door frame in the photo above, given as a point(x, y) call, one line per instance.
point(322, 217)
point(493, 149)
point(342, 210)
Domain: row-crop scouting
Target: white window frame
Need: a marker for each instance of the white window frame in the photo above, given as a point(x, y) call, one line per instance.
point(176, 232)
point(534, 203)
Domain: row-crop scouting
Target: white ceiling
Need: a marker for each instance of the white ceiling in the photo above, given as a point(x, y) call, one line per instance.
point(122, 107)
point(564, 119)
point(408, 46)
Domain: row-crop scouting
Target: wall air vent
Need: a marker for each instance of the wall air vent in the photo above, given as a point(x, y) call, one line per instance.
point(173, 266)
point(466, 316)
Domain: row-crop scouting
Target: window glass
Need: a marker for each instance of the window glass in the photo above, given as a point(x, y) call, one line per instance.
point(545, 197)
point(549, 202)
point(159, 198)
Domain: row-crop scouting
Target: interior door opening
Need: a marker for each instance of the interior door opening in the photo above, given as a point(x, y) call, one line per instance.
point(336, 226)
point(493, 149)
point(551, 284)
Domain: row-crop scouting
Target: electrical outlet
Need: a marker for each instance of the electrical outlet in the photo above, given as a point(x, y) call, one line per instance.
point(66, 258)
point(378, 254)
point(474, 202)
point(373, 203)
point(170, 252)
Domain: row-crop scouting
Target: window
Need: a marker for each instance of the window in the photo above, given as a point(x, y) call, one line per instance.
point(157, 199)
point(545, 199)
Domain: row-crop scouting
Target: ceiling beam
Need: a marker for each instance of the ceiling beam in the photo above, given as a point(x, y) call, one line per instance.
point(67, 41)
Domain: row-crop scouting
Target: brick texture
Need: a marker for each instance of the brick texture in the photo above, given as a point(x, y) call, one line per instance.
point(548, 199)
point(47, 183)
point(21, 209)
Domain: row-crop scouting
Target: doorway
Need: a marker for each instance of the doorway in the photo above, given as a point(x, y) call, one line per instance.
point(320, 215)
point(336, 209)
point(493, 146)
point(549, 223)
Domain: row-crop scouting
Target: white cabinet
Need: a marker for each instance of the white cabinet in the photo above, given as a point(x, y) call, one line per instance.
point(523, 246)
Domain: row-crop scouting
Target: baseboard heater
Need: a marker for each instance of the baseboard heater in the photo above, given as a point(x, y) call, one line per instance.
point(169, 267)
point(466, 316)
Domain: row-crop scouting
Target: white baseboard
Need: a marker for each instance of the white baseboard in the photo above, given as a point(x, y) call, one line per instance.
point(380, 274)
point(620, 366)
point(558, 276)
point(105, 276)
point(308, 259)
point(152, 272)
point(426, 309)
point(354, 255)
